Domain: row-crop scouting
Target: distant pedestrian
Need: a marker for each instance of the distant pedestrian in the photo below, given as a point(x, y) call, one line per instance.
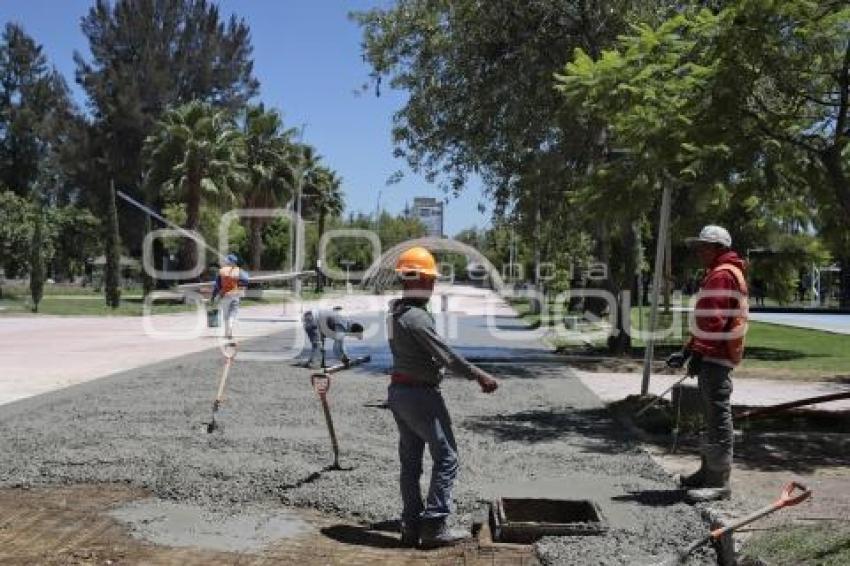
point(758, 291)
point(229, 283)
point(713, 351)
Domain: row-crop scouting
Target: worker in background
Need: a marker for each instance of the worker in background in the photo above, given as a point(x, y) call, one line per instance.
point(228, 285)
point(419, 359)
point(713, 351)
point(320, 324)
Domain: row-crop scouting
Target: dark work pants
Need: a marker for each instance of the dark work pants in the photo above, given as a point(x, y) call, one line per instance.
point(715, 386)
point(422, 418)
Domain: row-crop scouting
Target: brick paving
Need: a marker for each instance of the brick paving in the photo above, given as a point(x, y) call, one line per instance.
point(69, 526)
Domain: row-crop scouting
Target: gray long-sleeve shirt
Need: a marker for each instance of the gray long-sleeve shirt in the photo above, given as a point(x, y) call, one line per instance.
point(418, 351)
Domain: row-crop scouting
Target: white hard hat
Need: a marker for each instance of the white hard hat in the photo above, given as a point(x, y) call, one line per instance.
point(712, 234)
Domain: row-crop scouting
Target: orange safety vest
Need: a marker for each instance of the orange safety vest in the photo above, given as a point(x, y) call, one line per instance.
point(229, 277)
point(737, 325)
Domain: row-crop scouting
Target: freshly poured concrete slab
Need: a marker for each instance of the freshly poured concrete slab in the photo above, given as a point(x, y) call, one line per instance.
point(247, 529)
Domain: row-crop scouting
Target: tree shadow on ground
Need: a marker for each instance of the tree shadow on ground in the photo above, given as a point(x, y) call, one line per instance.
point(662, 351)
point(535, 426)
point(776, 354)
point(798, 452)
point(799, 441)
point(653, 497)
point(360, 536)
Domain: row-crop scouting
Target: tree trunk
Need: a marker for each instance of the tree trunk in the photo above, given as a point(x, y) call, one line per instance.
point(597, 305)
point(37, 260)
point(112, 278)
point(148, 281)
point(832, 161)
point(193, 220)
point(668, 271)
point(621, 343)
point(844, 283)
point(256, 243)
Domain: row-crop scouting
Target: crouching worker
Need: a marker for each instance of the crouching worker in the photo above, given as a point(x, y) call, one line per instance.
point(320, 324)
point(228, 285)
point(713, 351)
point(419, 359)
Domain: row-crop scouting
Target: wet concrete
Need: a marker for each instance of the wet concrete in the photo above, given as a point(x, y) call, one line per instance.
point(250, 529)
point(144, 428)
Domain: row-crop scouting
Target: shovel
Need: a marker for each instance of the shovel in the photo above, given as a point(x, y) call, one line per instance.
point(792, 494)
point(229, 351)
point(321, 383)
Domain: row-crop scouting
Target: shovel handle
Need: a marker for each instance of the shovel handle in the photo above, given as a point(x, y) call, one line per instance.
point(786, 499)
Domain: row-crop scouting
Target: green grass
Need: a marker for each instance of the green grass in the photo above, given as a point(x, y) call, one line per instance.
point(773, 346)
point(772, 350)
point(69, 300)
point(90, 304)
point(824, 544)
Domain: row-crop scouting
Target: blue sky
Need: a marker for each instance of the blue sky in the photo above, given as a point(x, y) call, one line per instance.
point(307, 58)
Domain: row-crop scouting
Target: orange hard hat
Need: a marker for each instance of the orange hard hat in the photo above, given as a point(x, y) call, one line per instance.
point(417, 260)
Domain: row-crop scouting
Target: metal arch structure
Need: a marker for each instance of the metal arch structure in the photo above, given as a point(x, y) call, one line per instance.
point(381, 274)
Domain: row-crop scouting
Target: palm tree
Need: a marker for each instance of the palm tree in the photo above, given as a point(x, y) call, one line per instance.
point(195, 152)
point(327, 199)
point(269, 164)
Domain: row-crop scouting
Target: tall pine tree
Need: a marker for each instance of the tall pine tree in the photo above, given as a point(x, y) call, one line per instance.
point(146, 56)
point(34, 109)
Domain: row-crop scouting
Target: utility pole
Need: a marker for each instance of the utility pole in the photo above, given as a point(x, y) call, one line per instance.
point(661, 244)
point(295, 245)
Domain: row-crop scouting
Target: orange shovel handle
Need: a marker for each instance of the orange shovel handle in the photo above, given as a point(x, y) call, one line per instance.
point(786, 499)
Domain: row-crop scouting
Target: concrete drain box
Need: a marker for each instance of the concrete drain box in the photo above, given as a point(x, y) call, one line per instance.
point(524, 520)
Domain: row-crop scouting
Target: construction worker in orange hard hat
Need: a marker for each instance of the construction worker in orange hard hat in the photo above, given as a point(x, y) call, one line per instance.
point(420, 356)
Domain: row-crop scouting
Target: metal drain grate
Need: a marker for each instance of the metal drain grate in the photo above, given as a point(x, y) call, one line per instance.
point(524, 520)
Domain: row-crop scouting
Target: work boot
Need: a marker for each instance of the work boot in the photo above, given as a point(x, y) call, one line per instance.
point(715, 487)
point(436, 533)
point(410, 534)
point(693, 480)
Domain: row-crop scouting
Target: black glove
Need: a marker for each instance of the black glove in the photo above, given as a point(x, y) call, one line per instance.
point(677, 360)
point(695, 363)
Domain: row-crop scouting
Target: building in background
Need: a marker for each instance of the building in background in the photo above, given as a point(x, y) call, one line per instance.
point(430, 212)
